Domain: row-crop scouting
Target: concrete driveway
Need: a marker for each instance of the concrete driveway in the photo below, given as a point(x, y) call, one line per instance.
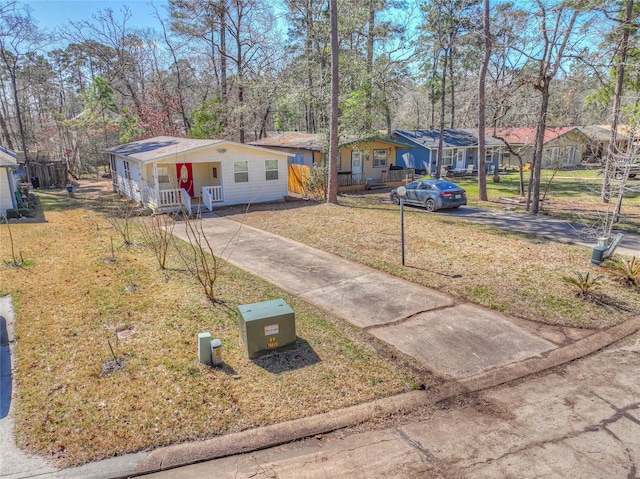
point(454, 339)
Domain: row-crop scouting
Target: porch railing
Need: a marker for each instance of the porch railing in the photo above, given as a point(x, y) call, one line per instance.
point(351, 179)
point(393, 176)
point(210, 195)
point(168, 198)
point(185, 199)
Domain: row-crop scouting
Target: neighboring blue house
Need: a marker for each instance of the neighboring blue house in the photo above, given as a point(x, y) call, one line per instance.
point(459, 150)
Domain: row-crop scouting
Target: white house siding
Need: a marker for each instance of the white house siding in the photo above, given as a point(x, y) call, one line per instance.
point(6, 191)
point(257, 189)
point(133, 186)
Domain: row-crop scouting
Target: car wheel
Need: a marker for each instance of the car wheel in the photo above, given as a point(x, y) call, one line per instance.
point(619, 176)
point(430, 205)
point(395, 198)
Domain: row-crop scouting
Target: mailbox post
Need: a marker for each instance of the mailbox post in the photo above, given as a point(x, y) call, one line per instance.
point(402, 192)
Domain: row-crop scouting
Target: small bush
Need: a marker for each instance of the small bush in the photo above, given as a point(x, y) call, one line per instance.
point(586, 283)
point(625, 271)
point(315, 183)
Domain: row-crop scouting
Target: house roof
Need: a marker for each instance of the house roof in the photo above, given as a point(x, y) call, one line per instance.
point(8, 158)
point(600, 133)
point(527, 136)
point(451, 138)
point(162, 147)
point(623, 130)
point(313, 141)
point(300, 141)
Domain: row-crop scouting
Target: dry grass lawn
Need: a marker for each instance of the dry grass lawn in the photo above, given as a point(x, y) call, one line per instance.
point(71, 302)
point(512, 273)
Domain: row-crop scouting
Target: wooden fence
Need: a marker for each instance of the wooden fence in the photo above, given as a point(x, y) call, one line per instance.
point(296, 178)
point(49, 175)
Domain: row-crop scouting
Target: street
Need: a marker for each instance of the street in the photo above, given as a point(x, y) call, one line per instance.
point(578, 420)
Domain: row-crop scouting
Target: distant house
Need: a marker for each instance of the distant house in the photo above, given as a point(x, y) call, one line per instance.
point(8, 164)
point(563, 147)
point(459, 149)
point(599, 139)
point(168, 173)
point(301, 148)
point(361, 162)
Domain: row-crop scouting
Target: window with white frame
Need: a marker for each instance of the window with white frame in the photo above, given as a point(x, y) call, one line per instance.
point(271, 169)
point(163, 175)
point(241, 171)
point(127, 172)
point(447, 156)
point(553, 156)
point(488, 155)
point(380, 158)
point(570, 156)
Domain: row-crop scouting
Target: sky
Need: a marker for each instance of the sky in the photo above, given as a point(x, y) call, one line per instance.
point(51, 14)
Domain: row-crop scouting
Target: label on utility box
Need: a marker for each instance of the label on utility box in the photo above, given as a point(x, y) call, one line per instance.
point(271, 329)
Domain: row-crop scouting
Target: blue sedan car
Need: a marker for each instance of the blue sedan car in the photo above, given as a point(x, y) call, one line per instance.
point(432, 194)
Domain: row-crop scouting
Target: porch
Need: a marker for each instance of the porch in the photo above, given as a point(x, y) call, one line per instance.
point(179, 198)
point(347, 179)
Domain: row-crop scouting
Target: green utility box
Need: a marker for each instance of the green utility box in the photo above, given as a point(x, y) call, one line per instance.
point(267, 326)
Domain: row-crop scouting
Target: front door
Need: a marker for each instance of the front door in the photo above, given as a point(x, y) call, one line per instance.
point(356, 162)
point(461, 159)
point(184, 173)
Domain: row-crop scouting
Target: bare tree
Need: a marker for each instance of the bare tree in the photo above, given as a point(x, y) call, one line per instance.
point(198, 256)
point(627, 25)
point(20, 39)
point(157, 232)
point(557, 28)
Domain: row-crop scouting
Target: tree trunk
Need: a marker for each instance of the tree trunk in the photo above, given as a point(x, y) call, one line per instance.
point(309, 94)
point(453, 90)
point(332, 189)
point(623, 48)
point(443, 97)
point(223, 52)
point(240, 66)
point(5, 132)
point(369, 92)
point(533, 198)
point(482, 178)
point(21, 129)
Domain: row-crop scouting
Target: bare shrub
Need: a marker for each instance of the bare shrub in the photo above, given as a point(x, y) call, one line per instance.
point(198, 256)
point(120, 218)
point(157, 232)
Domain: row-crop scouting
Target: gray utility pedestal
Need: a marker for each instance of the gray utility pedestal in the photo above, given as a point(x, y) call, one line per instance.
point(267, 326)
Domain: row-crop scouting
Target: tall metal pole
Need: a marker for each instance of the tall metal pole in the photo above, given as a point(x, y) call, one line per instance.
point(402, 227)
